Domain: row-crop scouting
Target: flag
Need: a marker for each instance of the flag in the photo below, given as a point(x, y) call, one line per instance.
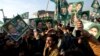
point(63, 3)
point(64, 6)
point(95, 4)
point(61, 10)
point(57, 14)
point(25, 15)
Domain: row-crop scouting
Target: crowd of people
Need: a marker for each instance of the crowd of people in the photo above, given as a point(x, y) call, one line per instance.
point(59, 40)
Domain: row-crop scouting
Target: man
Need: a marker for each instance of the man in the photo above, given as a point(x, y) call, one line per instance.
point(12, 30)
point(48, 25)
point(37, 44)
point(79, 26)
point(32, 23)
point(50, 46)
point(40, 26)
point(84, 40)
point(78, 7)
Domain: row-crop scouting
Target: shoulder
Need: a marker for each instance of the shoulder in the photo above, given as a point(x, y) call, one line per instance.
point(55, 52)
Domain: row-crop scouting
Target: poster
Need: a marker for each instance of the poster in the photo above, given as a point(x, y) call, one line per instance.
point(75, 7)
point(92, 28)
point(32, 23)
point(85, 15)
point(15, 28)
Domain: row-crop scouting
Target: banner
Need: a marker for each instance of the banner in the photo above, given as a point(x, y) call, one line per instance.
point(25, 15)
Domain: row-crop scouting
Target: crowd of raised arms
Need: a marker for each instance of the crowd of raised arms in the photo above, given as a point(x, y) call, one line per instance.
point(66, 37)
point(59, 40)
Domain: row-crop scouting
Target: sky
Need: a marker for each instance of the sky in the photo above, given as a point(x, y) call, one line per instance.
point(13, 7)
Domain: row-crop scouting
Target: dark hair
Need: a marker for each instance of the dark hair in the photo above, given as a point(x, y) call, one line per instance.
point(53, 36)
point(52, 31)
point(60, 31)
point(59, 24)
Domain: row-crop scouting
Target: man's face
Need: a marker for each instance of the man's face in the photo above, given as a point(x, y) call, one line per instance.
point(11, 29)
point(32, 23)
point(48, 24)
point(78, 7)
point(93, 31)
point(79, 25)
point(40, 24)
point(49, 42)
point(84, 16)
point(63, 10)
point(70, 8)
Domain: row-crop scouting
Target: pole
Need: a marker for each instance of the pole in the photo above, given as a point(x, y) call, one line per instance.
point(58, 9)
point(47, 5)
point(2, 13)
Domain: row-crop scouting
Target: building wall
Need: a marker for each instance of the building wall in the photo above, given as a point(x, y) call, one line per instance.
point(43, 13)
